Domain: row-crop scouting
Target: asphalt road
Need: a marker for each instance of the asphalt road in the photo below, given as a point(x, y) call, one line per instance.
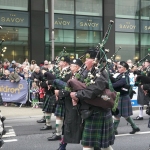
point(24, 134)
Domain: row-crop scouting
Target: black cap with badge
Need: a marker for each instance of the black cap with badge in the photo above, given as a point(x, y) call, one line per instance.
point(65, 58)
point(92, 53)
point(77, 62)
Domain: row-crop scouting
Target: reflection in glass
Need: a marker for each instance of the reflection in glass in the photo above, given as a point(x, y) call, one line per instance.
point(14, 4)
point(89, 7)
point(86, 40)
point(145, 44)
point(62, 6)
point(129, 45)
point(127, 8)
point(87, 36)
point(16, 41)
point(63, 38)
point(145, 9)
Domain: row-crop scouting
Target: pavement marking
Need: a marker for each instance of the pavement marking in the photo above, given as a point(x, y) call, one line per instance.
point(9, 133)
point(147, 132)
point(13, 140)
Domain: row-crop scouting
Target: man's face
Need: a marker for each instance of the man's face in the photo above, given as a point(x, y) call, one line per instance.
point(62, 64)
point(89, 63)
point(46, 64)
point(74, 68)
point(37, 70)
point(146, 64)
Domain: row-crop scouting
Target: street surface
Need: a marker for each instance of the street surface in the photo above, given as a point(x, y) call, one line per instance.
point(23, 133)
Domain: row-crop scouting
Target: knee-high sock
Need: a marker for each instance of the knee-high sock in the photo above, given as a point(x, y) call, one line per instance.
point(108, 148)
point(130, 120)
point(88, 148)
point(48, 119)
point(116, 123)
point(59, 124)
point(141, 111)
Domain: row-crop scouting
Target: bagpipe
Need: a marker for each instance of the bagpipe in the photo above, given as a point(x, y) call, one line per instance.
point(112, 58)
point(141, 75)
point(109, 98)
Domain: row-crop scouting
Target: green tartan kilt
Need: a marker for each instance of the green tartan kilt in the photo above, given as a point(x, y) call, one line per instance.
point(98, 130)
point(49, 104)
point(60, 110)
point(124, 106)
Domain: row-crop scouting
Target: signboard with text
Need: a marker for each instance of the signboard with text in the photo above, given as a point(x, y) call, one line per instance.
point(14, 92)
point(62, 21)
point(14, 18)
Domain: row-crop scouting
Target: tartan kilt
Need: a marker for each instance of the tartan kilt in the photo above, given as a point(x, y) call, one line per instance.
point(60, 110)
point(124, 106)
point(49, 104)
point(98, 130)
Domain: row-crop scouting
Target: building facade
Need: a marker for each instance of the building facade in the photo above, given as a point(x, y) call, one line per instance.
point(79, 24)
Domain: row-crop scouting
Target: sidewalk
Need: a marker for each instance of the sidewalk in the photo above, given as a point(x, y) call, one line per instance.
point(17, 112)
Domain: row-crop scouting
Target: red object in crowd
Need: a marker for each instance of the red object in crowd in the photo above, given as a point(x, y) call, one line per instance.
point(41, 92)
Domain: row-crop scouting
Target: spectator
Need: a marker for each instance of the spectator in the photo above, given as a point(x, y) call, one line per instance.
point(37, 74)
point(27, 73)
point(13, 77)
point(130, 63)
point(12, 66)
point(41, 93)
point(18, 71)
point(33, 65)
point(6, 77)
point(26, 62)
point(34, 94)
point(46, 65)
point(1, 69)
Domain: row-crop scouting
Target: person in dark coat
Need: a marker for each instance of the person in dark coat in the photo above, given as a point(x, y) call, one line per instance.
point(72, 119)
point(122, 85)
point(142, 78)
point(37, 75)
point(59, 84)
point(99, 120)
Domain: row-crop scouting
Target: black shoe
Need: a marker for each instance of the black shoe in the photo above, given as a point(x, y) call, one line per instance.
point(96, 148)
point(62, 146)
point(54, 138)
point(135, 130)
point(138, 118)
point(4, 132)
point(3, 118)
point(1, 143)
point(41, 121)
point(46, 127)
point(116, 132)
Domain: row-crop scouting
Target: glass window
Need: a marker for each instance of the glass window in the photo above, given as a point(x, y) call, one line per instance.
point(85, 40)
point(16, 41)
point(129, 46)
point(63, 38)
point(145, 9)
point(89, 7)
point(62, 6)
point(127, 8)
point(87, 36)
point(145, 44)
point(14, 4)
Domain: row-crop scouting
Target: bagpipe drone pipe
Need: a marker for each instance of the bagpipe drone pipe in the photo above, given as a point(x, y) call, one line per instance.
point(109, 98)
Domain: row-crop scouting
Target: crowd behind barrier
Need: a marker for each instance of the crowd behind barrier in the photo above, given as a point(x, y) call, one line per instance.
point(20, 83)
